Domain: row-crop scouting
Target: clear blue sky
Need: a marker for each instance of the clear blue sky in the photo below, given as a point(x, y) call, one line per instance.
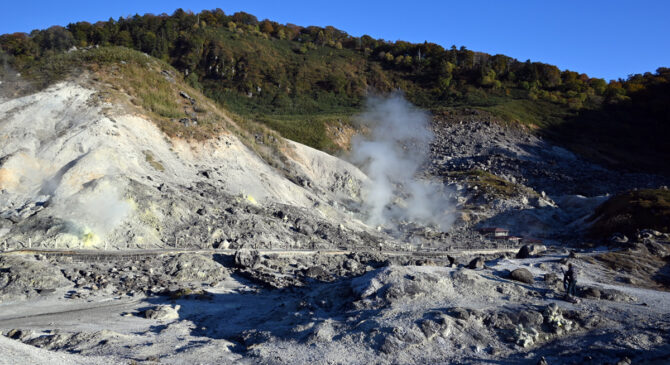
point(603, 38)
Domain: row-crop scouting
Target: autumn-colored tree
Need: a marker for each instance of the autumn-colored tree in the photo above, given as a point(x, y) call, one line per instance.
point(18, 44)
point(266, 27)
point(245, 18)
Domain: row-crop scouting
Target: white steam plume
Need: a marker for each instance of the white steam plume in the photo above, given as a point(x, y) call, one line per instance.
point(391, 155)
point(90, 209)
point(95, 211)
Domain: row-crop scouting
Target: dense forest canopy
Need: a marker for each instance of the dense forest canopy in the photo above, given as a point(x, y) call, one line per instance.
point(212, 47)
point(281, 73)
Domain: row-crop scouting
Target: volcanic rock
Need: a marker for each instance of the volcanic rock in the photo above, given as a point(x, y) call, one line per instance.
point(476, 264)
point(163, 312)
point(522, 275)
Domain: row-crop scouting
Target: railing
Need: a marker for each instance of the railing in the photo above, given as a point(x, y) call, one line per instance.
point(102, 255)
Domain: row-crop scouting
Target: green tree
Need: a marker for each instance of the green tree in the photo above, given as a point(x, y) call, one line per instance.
point(123, 38)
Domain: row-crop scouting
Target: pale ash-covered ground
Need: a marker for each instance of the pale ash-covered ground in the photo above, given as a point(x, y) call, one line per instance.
point(394, 312)
point(80, 173)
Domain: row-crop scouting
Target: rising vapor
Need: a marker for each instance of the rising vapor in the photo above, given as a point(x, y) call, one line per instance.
point(391, 155)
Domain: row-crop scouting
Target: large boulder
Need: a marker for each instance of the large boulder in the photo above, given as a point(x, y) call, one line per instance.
point(590, 293)
point(246, 258)
point(530, 318)
point(553, 281)
point(25, 276)
point(522, 275)
point(476, 264)
point(318, 273)
point(527, 251)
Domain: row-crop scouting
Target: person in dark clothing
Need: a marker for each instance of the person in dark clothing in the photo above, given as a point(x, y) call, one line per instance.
point(570, 280)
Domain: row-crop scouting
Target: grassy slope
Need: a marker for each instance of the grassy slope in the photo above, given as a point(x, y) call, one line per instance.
point(492, 184)
point(128, 76)
point(627, 212)
point(297, 111)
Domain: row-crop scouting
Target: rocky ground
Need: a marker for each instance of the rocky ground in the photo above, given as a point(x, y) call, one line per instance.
point(121, 245)
point(472, 140)
point(333, 308)
point(509, 177)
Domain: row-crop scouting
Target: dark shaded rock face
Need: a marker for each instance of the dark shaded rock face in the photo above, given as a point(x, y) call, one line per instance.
point(25, 276)
point(614, 295)
point(522, 275)
point(246, 258)
point(476, 264)
point(523, 253)
point(318, 273)
point(527, 251)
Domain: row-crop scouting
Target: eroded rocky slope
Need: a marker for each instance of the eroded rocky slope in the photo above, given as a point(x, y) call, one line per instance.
point(77, 172)
point(167, 250)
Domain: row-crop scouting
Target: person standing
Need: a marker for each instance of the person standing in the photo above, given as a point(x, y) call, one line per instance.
point(570, 280)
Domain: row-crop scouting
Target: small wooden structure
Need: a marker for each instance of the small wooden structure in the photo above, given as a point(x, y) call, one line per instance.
point(512, 239)
point(495, 232)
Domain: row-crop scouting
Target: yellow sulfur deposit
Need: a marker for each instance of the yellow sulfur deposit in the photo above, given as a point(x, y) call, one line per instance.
point(89, 239)
point(251, 199)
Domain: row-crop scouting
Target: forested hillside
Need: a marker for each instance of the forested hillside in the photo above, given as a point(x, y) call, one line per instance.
point(300, 80)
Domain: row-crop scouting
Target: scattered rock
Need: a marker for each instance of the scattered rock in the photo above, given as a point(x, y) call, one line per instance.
point(184, 95)
point(17, 334)
point(400, 338)
point(459, 313)
point(20, 276)
point(246, 258)
point(163, 312)
point(590, 293)
point(522, 275)
point(318, 273)
point(616, 295)
point(168, 75)
point(193, 267)
point(553, 317)
point(624, 361)
point(322, 332)
point(527, 251)
point(45, 291)
point(452, 261)
point(531, 318)
point(525, 337)
point(476, 264)
point(434, 327)
point(618, 238)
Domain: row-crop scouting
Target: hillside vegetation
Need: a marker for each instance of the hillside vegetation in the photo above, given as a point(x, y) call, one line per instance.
point(301, 80)
point(154, 88)
point(627, 212)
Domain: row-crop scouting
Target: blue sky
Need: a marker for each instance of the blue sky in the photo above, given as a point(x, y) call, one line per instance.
point(608, 39)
